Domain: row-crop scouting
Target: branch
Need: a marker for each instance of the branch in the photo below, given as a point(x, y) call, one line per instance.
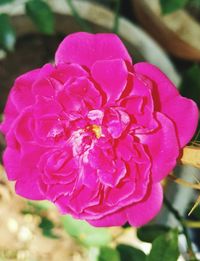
point(191, 156)
point(181, 221)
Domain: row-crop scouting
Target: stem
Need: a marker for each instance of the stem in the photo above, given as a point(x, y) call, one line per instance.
point(191, 156)
point(116, 20)
point(78, 18)
point(181, 221)
point(184, 182)
point(192, 223)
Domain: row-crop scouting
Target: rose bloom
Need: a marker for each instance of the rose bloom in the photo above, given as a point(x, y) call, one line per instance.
point(94, 133)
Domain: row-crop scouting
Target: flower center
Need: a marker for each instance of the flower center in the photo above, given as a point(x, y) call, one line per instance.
point(97, 130)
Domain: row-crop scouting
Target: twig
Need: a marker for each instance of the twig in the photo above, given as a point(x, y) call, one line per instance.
point(181, 221)
point(191, 156)
point(192, 223)
point(184, 182)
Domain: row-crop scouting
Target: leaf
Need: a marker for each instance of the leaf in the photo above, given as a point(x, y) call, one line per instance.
point(3, 2)
point(41, 15)
point(47, 226)
point(7, 33)
point(190, 86)
point(130, 253)
point(36, 207)
point(151, 232)
point(85, 233)
point(169, 6)
point(165, 247)
point(108, 254)
point(41, 204)
point(93, 253)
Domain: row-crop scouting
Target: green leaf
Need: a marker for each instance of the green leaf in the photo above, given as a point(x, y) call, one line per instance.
point(85, 233)
point(190, 86)
point(108, 254)
point(41, 15)
point(7, 33)
point(47, 225)
point(165, 247)
point(37, 207)
point(93, 253)
point(3, 2)
point(150, 232)
point(129, 253)
point(41, 204)
point(169, 6)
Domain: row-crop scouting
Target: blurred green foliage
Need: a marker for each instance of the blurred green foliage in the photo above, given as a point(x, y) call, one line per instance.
point(190, 86)
point(41, 15)
point(85, 233)
point(108, 254)
point(47, 226)
point(149, 233)
point(2, 2)
point(129, 253)
point(7, 33)
point(165, 247)
point(169, 6)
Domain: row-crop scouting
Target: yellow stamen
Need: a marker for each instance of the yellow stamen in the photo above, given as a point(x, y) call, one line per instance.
point(97, 130)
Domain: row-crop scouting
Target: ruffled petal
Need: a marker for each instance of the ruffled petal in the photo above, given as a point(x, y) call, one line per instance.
point(28, 187)
point(11, 162)
point(10, 115)
point(163, 88)
point(184, 114)
point(46, 106)
point(86, 49)
point(142, 212)
point(27, 184)
point(19, 98)
point(67, 72)
point(112, 178)
point(111, 76)
point(84, 89)
point(118, 218)
point(162, 146)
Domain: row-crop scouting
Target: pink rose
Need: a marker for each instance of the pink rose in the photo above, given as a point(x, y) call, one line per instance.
point(96, 134)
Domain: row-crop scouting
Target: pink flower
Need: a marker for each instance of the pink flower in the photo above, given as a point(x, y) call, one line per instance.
point(95, 134)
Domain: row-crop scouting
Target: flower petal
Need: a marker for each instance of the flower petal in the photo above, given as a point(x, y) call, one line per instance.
point(27, 184)
point(28, 187)
point(10, 114)
point(21, 94)
point(163, 88)
point(86, 49)
point(111, 76)
point(11, 162)
point(184, 113)
point(162, 147)
point(66, 72)
point(118, 218)
point(142, 212)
